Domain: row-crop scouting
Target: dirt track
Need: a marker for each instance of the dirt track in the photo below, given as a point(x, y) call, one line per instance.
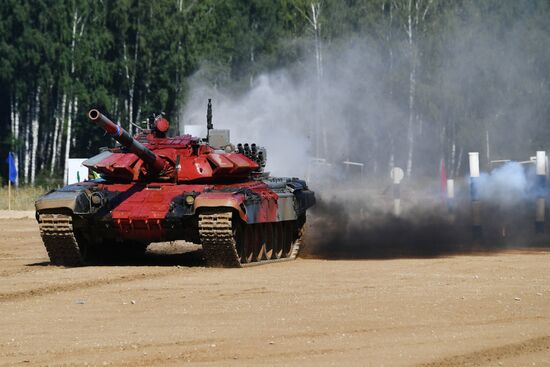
point(484, 309)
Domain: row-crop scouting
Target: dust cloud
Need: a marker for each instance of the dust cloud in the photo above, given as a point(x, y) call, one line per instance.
point(312, 123)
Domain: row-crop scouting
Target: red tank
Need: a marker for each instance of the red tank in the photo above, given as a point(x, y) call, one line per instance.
point(154, 188)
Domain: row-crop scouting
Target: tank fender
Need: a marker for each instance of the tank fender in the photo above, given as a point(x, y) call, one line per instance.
point(72, 197)
point(305, 198)
point(218, 199)
point(286, 206)
point(262, 206)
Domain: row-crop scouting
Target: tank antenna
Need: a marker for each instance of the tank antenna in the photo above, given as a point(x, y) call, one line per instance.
point(209, 125)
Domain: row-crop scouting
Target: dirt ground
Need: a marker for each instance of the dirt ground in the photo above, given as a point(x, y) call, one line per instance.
point(483, 309)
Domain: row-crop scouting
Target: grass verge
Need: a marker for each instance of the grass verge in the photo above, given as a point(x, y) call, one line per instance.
point(22, 197)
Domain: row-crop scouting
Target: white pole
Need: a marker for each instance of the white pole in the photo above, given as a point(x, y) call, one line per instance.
point(474, 193)
point(541, 163)
point(451, 198)
point(397, 207)
point(9, 194)
point(540, 207)
point(397, 175)
point(474, 164)
point(450, 189)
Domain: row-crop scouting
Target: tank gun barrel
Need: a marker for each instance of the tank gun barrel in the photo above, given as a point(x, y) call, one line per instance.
point(154, 162)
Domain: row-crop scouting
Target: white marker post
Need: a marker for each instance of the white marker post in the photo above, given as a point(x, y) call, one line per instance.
point(474, 194)
point(397, 175)
point(541, 189)
point(451, 198)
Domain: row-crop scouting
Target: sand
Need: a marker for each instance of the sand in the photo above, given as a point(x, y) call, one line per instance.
point(488, 309)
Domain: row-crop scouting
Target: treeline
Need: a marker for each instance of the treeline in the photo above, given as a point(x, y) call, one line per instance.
point(442, 78)
point(468, 73)
point(128, 57)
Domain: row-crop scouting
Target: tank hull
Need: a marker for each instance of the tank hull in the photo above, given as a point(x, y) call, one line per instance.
point(237, 223)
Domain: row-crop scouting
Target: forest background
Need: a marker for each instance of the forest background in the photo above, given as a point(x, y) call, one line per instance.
point(465, 74)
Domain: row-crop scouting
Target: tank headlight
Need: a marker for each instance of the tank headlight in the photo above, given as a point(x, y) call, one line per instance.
point(189, 199)
point(96, 199)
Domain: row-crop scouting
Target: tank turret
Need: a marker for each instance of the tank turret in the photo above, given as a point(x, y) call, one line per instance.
point(155, 163)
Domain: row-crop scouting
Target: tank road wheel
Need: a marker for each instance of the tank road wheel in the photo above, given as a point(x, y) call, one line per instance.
point(268, 242)
point(298, 240)
point(287, 238)
point(244, 240)
point(261, 238)
point(277, 240)
point(293, 237)
point(249, 240)
point(298, 236)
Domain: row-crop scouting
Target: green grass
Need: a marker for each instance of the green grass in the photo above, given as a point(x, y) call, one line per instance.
point(22, 198)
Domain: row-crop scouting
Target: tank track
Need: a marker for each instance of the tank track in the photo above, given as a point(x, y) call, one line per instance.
point(217, 236)
point(58, 237)
point(215, 229)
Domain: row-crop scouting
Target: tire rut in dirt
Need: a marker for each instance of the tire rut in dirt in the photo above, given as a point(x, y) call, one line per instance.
point(68, 287)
